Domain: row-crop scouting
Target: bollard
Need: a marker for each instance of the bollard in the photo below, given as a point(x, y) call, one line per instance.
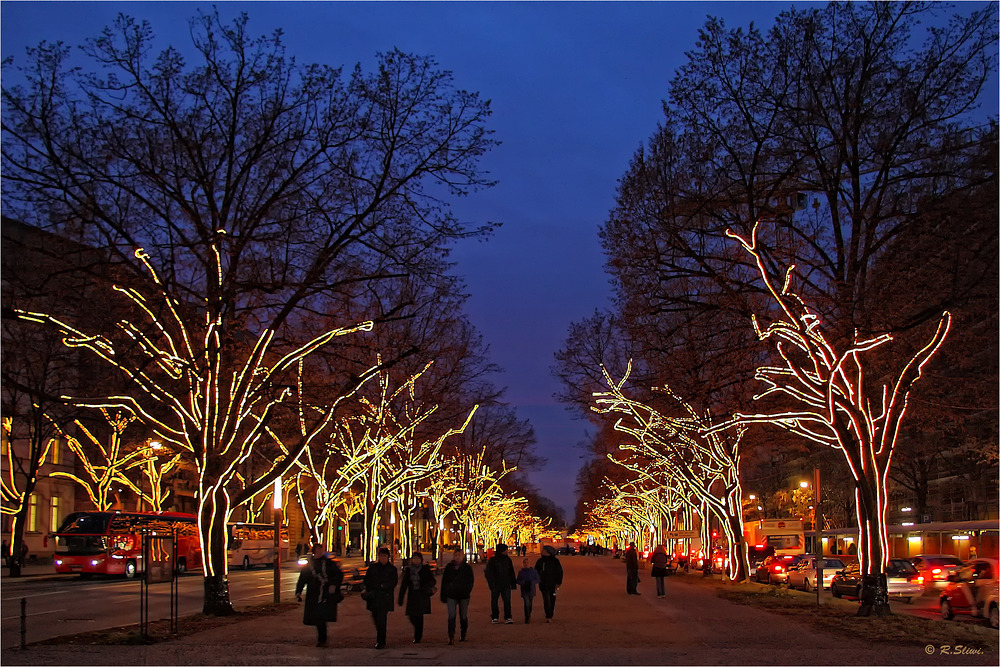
point(24, 622)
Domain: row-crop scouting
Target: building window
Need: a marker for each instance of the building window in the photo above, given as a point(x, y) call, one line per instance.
point(32, 524)
point(54, 514)
point(55, 452)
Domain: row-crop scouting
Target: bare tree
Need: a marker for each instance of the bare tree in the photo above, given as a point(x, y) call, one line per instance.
point(833, 404)
point(258, 187)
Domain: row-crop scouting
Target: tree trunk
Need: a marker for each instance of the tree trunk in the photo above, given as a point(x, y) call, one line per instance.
point(871, 548)
point(213, 515)
point(16, 559)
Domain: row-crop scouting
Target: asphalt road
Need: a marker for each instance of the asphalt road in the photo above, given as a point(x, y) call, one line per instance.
point(69, 604)
point(595, 623)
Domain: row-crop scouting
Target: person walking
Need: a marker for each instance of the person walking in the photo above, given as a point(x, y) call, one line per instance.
point(659, 562)
point(528, 580)
point(418, 580)
point(550, 578)
point(380, 582)
point(321, 578)
point(632, 570)
point(501, 579)
point(456, 589)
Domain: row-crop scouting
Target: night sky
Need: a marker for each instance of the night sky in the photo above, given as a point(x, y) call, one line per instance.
point(575, 87)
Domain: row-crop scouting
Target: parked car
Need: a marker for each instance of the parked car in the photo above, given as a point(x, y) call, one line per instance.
point(933, 570)
point(972, 590)
point(804, 576)
point(774, 569)
point(756, 556)
point(900, 575)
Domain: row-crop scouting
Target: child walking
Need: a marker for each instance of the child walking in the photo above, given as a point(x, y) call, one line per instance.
point(528, 580)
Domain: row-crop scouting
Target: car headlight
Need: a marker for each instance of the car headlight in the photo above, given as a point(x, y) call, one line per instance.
point(303, 561)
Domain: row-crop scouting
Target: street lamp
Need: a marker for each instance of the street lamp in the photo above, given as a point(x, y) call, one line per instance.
point(276, 504)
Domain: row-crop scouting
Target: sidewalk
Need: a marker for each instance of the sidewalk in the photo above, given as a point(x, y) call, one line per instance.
point(595, 623)
point(32, 570)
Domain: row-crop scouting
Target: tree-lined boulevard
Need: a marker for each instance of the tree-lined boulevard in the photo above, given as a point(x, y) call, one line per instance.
point(595, 623)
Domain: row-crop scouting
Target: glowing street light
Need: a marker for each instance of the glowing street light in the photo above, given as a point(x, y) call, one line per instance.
point(276, 504)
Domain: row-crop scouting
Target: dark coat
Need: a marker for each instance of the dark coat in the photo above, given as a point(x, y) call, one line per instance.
point(550, 573)
point(631, 559)
point(500, 572)
point(321, 601)
point(659, 562)
point(380, 581)
point(457, 582)
point(419, 600)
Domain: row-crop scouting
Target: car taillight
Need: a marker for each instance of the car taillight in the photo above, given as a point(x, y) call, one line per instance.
point(920, 580)
point(937, 573)
point(778, 568)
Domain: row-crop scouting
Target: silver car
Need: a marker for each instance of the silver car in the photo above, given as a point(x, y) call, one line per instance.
point(804, 576)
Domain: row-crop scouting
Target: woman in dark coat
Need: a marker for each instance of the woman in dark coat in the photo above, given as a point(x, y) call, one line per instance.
point(550, 575)
point(418, 580)
point(321, 578)
point(456, 589)
point(380, 582)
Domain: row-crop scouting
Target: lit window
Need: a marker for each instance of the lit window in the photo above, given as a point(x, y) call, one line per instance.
point(32, 525)
point(55, 451)
point(54, 514)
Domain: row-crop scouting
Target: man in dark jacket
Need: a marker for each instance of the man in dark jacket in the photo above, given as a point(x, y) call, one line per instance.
point(380, 582)
point(632, 570)
point(550, 575)
point(456, 589)
point(419, 581)
point(321, 578)
point(501, 578)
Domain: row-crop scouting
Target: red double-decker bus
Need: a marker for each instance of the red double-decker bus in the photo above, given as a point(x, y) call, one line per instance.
point(91, 543)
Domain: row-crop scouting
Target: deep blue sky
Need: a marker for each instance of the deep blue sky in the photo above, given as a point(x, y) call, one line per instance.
point(576, 88)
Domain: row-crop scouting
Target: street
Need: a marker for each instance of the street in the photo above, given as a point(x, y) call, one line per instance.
point(69, 604)
point(595, 623)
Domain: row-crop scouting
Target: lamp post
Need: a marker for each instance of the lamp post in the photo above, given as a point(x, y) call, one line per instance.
point(818, 527)
point(276, 504)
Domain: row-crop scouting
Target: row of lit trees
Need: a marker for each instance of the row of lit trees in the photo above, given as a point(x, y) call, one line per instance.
point(808, 178)
point(256, 213)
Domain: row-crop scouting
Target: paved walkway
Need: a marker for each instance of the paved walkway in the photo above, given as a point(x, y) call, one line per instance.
point(595, 623)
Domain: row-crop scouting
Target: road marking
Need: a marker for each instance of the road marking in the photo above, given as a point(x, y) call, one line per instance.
point(33, 595)
point(37, 613)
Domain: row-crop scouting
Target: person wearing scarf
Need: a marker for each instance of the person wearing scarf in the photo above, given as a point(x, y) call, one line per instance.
point(419, 581)
point(380, 581)
point(321, 578)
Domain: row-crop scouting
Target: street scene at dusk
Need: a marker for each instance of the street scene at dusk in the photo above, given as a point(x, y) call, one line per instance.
point(500, 333)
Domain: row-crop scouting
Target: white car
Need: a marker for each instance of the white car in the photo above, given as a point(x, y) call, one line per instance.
point(804, 576)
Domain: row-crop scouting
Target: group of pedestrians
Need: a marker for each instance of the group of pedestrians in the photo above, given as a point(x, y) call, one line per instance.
point(659, 568)
point(321, 579)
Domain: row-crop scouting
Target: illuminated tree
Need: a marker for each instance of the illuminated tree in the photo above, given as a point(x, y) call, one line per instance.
point(686, 449)
point(18, 479)
point(105, 473)
point(196, 402)
point(391, 422)
point(835, 405)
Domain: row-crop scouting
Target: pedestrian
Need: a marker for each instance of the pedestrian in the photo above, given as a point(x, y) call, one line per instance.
point(24, 552)
point(528, 580)
point(632, 570)
point(321, 577)
point(6, 553)
point(298, 549)
point(501, 579)
point(658, 568)
point(550, 578)
point(456, 589)
point(347, 550)
point(380, 582)
point(419, 582)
